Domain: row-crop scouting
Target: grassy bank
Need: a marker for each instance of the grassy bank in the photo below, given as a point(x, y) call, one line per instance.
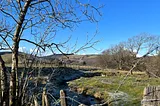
point(103, 87)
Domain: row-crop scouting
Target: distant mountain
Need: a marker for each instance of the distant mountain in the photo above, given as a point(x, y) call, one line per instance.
point(3, 53)
point(68, 58)
point(57, 56)
point(8, 52)
point(7, 56)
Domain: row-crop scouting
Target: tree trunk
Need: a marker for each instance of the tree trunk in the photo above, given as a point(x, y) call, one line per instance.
point(13, 78)
point(120, 65)
point(4, 84)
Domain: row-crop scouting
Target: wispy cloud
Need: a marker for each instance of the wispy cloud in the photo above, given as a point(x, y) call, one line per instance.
point(22, 49)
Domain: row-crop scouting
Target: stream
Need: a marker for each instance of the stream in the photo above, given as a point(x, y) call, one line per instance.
point(59, 81)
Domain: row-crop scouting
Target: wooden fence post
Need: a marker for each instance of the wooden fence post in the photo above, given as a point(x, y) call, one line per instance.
point(151, 96)
point(44, 98)
point(35, 101)
point(63, 98)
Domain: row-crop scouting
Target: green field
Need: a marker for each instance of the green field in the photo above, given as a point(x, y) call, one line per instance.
point(104, 87)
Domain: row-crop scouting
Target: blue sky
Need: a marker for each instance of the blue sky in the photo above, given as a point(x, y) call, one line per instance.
point(121, 19)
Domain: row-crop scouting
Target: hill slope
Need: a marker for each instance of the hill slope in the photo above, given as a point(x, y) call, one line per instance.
point(69, 59)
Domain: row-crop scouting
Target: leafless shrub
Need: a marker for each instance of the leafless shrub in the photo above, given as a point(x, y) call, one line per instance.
point(125, 54)
point(42, 18)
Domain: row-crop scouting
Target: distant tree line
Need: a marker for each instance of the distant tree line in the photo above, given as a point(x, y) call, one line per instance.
point(125, 54)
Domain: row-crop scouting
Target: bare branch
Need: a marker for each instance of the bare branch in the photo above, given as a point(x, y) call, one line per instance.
point(4, 39)
point(19, 4)
point(33, 43)
point(9, 15)
point(39, 1)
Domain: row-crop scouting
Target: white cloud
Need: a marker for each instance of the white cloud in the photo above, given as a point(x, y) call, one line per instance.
point(138, 55)
point(22, 49)
point(31, 50)
point(96, 53)
point(83, 53)
point(46, 53)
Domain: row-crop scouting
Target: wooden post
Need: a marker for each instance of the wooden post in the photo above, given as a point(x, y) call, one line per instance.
point(35, 101)
point(44, 98)
point(63, 98)
point(43, 101)
point(151, 96)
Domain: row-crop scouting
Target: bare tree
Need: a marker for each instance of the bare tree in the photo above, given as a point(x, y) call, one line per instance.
point(125, 54)
point(117, 56)
point(152, 64)
point(42, 18)
point(142, 42)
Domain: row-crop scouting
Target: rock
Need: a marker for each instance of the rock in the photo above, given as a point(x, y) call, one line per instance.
point(118, 98)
